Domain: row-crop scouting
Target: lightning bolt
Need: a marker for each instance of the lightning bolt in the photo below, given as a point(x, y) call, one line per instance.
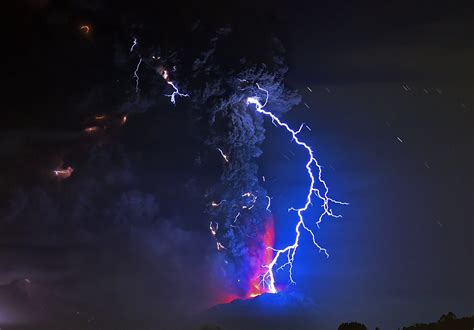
point(236, 217)
point(214, 227)
point(215, 204)
point(164, 74)
point(251, 199)
point(289, 252)
point(176, 92)
point(314, 172)
point(226, 158)
point(135, 41)
point(137, 78)
point(269, 203)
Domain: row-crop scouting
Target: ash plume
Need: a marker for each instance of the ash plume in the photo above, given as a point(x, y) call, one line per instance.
point(219, 79)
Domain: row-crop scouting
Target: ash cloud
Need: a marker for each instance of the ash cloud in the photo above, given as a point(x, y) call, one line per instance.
point(219, 78)
point(116, 231)
point(102, 243)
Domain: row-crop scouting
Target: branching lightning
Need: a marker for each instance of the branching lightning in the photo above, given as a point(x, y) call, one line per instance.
point(164, 73)
point(176, 91)
point(283, 257)
point(268, 278)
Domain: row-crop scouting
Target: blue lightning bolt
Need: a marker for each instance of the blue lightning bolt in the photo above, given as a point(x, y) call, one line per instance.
point(226, 158)
point(289, 251)
point(135, 41)
point(269, 203)
point(176, 92)
point(137, 78)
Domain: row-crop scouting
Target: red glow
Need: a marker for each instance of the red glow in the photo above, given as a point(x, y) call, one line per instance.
point(259, 256)
point(262, 256)
point(92, 129)
point(124, 120)
point(228, 299)
point(63, 173)
point(85, 28)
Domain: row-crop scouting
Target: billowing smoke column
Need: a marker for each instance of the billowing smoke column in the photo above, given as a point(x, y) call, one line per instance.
point(231, 105)
point(241, 203)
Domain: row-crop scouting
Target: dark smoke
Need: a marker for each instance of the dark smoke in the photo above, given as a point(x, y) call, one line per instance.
point(219, 79)
point(115, 235)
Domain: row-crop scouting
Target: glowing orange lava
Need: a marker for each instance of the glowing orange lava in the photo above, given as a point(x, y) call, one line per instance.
point(124, 120)
point(63, 173)
point(92, 129)
point(262, 256)
point(259, 256)
point(85, 28)
point(228, 299)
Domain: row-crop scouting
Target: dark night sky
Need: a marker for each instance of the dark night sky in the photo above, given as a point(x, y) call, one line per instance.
point(378, 72)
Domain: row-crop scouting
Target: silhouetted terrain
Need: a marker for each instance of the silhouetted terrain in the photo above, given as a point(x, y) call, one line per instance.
point(352, 326)
point(447, 321)
point(26, 306)
point(289, 310)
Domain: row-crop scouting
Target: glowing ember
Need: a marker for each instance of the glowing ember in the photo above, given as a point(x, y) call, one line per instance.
point(92, 129)
point(165, 75)
point(123, 121)
point(63, 173)
point(215, 204)
point(85, 28)
point(214, 227)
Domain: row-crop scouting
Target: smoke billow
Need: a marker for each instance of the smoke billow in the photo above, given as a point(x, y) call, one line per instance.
point(219, 79)
point(137, 206)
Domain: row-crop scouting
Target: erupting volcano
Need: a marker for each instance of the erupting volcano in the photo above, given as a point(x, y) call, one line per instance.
point(261, 255)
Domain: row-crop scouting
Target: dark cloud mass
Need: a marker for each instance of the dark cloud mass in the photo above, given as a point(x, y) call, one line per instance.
point(120, 213)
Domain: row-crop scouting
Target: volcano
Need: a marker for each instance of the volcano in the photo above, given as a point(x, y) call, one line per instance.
point(283, 310)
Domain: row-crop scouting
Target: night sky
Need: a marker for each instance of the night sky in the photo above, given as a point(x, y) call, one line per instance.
point(124, 242)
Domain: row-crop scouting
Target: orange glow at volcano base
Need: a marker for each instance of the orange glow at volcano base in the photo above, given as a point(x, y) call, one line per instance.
point(263, 256)
point(260, 256)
